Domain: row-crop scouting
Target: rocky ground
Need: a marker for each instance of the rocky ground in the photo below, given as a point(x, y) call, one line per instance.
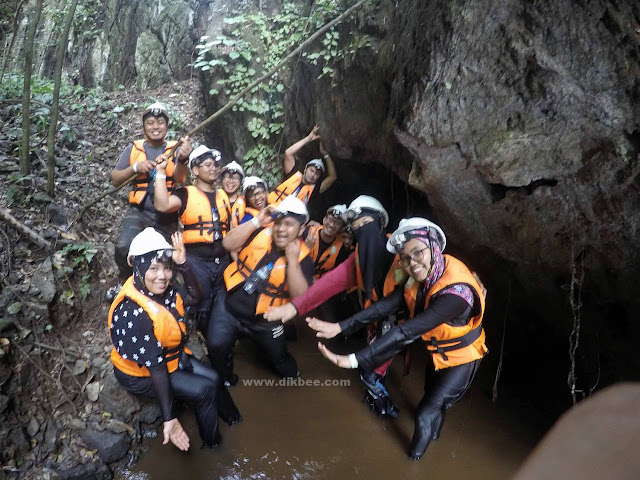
point(62, 414)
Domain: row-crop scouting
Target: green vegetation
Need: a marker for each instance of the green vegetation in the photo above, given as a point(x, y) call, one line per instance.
point(254, 44)
point(75, 259)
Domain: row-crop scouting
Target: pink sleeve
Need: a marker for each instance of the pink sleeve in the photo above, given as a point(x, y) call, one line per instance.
point(337, 280)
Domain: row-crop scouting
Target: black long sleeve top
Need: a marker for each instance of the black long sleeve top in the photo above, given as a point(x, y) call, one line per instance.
point(445, 308)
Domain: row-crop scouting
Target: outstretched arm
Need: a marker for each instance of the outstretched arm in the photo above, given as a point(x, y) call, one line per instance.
point(340, 278)
point(290, 153)
point(445, 308)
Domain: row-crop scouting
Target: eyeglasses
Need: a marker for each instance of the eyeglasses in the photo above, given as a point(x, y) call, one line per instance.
point(405, 260)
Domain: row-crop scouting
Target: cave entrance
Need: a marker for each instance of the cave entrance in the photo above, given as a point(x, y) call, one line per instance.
point(356, 178)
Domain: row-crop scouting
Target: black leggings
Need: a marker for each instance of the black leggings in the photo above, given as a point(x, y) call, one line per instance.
point(224, 329)
point(441, 390)
point(199, 388)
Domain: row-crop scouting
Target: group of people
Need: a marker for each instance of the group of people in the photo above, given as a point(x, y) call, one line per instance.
point(251, 260)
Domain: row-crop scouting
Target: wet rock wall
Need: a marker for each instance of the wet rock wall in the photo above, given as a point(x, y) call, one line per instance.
point(520, 121)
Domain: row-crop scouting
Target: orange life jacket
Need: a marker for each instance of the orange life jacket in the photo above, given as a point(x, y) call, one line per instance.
point(327, 260)
point(449, 345)
point(291, 186)
point(395, 276)
point(202, 223)
point(168, 330)
point(140, 185)
point(276, 290)
point(253, 211)
point(234, 212)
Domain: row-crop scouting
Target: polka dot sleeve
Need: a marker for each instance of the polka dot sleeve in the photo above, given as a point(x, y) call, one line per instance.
point(132, 335)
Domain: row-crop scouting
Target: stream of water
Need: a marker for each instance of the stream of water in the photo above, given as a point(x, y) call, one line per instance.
point(327, 431)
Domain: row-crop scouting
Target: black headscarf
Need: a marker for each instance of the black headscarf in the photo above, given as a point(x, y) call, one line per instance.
point(373, 256)
point(141, 264)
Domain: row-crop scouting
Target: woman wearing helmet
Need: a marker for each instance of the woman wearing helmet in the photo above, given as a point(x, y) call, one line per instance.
point(146, 324)
point(446, 304)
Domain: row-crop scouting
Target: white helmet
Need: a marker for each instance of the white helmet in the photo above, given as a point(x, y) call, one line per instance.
point(365, 203)
point(292, 206)
point(203, 152)
point(156, 109)
point(233, 167)
point(148, 240)
point(407, 225)
point(253, 182)
point(316, 162)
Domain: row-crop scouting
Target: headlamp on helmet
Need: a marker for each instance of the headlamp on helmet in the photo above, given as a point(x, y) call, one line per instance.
point(156, 109)
point(231, 168)
point(415, 227)
point(316, 162)
point(251, 183)
point(292, 207)
point(202, 153)
point(163, 255)
point(150, 240)
point(366, 205)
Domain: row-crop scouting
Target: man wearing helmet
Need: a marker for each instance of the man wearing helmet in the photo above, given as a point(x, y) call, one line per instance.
point(141, 158)
point(255, 191)
point(446, 304)
point(205, 219)
point(273, 266)
point(326, 243)
point(303, 185)
point(229, 196)
point(373, 270)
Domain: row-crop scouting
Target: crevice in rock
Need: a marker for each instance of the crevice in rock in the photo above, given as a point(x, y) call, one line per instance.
point(499, 191)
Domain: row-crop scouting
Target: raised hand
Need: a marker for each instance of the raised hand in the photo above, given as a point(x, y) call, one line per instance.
point(313, 135)
point(161, 162)
point(179, 253)
point(264, 215)
point(292, 251)
point(185, 148)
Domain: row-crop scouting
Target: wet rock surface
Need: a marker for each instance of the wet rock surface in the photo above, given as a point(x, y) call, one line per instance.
point(520, 123)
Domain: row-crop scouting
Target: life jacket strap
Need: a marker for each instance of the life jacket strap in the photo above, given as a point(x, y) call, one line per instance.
point(453, 343)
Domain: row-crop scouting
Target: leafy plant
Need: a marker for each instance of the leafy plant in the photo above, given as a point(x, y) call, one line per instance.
point(73, 258)
point(255, 43)
point(76, 254)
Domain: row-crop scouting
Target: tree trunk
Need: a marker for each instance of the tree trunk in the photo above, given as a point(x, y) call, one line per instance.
point(25, 164)
point(14, 34)
point(55, 104)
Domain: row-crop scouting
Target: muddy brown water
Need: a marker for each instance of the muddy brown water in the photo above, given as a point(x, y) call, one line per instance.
point(318, 432)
